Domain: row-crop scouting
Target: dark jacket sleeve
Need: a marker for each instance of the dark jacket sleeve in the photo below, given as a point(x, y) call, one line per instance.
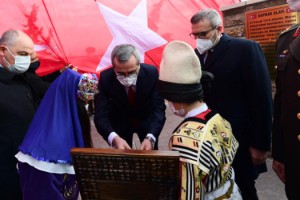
point(101, 117)
point(51, 77)
point(277, 131)
point(37, 84)
point(158, 115)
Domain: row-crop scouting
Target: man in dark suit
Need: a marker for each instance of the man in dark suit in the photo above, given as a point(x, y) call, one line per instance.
point(18, 103)
point(128, 101)
point(240, 92)
point(286, 124)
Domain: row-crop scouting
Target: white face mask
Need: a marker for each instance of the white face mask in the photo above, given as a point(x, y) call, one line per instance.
point(204, 44)
point(128, 80)
point(294, 4)
point(21, 63)
point(180, 112)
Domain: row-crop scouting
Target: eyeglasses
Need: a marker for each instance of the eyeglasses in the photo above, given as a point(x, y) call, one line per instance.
point(129, 74)
point(200, 34)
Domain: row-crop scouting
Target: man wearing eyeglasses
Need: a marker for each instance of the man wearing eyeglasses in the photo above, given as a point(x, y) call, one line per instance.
point(240, 91)
point(128, 101)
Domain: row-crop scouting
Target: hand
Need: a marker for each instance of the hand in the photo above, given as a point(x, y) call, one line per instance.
point(75, 69)
point(67, 67)
point(146, 145)
point(258, 156)
point(120, 143)
point(279, 169)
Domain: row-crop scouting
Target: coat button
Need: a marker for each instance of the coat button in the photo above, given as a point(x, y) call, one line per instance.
point(299, 71)
point(275, 67)
point(299, 137)
point(298, 115)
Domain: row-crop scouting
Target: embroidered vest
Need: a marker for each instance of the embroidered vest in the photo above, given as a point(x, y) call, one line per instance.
point(207, 148)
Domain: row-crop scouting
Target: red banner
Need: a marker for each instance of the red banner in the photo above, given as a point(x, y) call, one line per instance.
point(83, 32)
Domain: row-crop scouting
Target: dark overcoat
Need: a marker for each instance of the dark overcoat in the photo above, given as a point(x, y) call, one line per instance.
point(19, 99)
point(241, 92)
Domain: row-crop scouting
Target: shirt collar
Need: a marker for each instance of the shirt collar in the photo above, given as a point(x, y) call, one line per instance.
point(196, 111)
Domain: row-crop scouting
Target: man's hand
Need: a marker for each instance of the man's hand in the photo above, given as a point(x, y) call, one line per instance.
point(120, 143)
point(146, 145)
point(279, 169)
point(69, 66)
point(258, 156)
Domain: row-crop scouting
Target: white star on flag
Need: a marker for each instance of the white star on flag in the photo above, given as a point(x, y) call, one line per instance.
point(132, 29)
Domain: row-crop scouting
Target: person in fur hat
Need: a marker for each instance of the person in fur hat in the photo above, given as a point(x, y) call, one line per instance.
point(204, 139)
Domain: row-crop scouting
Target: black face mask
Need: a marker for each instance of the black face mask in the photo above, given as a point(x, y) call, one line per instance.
point(34, 66)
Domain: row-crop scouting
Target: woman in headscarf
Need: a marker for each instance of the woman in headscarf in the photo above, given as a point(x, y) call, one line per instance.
point(60, 123)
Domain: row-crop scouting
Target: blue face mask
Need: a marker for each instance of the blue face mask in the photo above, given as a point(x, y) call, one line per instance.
point(21, 63)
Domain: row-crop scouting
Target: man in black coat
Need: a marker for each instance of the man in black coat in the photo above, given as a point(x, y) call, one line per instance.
point(128, 101)
point(18, 103)
point(240, 92)
point(286, 124)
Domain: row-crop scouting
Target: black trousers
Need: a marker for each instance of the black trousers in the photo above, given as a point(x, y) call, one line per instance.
point(247, 188)
point(246, 173)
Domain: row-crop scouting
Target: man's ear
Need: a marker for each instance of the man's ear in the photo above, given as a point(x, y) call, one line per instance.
point(220, 29)
point(2, 48)
point(33, 56)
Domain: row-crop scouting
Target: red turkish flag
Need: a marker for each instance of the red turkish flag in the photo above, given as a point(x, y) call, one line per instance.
point(83, 32)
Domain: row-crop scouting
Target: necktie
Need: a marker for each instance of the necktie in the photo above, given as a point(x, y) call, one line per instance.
point(131, 96)
point(131, 100)
point(206, 56)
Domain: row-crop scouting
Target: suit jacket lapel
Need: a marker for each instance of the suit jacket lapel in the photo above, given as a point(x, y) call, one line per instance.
point(219, 49)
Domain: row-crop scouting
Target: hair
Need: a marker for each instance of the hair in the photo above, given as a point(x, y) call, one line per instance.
point(123, 52)
point(212, 15)
point(9, 37)
point(85, 123)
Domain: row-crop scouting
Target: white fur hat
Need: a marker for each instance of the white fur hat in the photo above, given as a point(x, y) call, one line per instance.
point(180, 64)
point(180, 73)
